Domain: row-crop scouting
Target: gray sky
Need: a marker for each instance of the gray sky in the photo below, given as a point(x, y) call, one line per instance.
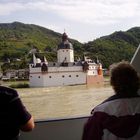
point(83, 20)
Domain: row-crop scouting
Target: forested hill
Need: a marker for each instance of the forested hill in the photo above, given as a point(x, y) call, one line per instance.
point(17, 39)
point(115, 47)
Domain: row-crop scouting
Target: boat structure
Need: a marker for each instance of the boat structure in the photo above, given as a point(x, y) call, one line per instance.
point(67, 128)
point(135, 61)
point(65, 71)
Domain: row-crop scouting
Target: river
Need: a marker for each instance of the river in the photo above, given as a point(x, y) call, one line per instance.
point(61, 102)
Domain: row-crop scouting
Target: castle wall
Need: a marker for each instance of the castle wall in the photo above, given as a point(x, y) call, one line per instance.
point(57, 79)
point(36, 80)
point(65, 69)
point(92, 72)
point(57, 76)
point(64, 78)
point(96, 79)
point(65, 53)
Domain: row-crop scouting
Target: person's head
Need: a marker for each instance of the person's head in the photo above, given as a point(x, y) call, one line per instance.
point(124, 78)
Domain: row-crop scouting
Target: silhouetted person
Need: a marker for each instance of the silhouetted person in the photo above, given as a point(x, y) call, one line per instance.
point(13, 115)
point(118, 117)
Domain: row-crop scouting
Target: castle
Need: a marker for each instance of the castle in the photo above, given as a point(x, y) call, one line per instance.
point(65, 71)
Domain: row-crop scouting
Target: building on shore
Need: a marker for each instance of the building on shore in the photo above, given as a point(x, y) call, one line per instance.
point(65, 71)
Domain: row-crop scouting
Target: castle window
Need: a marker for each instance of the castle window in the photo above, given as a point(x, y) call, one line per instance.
point(53, 64)
point(77, 75)
point(69, 75)
point(63, 76)
point(38, 76)
point(50, 77)
point(63, 50)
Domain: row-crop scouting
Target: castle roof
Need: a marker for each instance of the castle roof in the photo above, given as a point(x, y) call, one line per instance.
point(65, 44)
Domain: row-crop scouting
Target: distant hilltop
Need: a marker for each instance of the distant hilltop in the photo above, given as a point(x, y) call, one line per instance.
point(17, 39)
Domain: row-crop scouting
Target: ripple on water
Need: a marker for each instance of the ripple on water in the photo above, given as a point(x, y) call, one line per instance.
point(68, 101)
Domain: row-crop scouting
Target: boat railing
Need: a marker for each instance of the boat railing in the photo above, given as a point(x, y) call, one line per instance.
point(57, 129)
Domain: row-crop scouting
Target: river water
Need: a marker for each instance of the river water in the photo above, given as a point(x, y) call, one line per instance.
point(61, 102)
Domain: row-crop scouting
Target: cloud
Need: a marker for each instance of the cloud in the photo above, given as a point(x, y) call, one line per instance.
point(6, 9)
point(93, 11)
point(82, 11)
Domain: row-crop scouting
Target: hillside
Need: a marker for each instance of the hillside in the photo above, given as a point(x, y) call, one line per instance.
point(17, 39)
point(115, 47)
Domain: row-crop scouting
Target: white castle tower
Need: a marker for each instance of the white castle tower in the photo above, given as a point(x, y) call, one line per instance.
point(65, 50)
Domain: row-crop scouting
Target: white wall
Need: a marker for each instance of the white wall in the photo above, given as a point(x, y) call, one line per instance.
point(68, 53)
point(65, 69)
point(36, 80)
point(92, 69)
point(92, 72)
point(64, 78)
point(36, 69)
point(58, 76)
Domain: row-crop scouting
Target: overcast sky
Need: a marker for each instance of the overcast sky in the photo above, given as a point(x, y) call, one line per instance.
point(83, 20)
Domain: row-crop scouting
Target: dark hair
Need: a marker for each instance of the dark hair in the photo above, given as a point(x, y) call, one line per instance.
point(124, 78)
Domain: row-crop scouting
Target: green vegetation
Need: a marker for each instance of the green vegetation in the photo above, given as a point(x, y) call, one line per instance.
point(19, 85)
point(114, 48)
point(17, 39)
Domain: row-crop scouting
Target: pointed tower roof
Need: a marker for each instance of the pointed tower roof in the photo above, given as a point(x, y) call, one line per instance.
point(64, 37)
point(45, 60)
point(34, 59)
point(65, 44)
